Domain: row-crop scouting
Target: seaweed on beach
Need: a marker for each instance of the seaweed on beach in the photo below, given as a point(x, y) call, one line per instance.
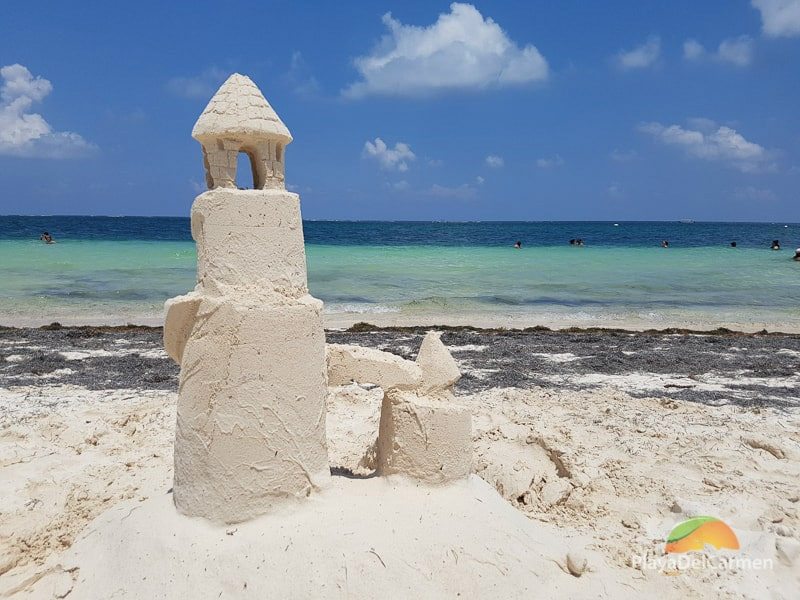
point(678, 364)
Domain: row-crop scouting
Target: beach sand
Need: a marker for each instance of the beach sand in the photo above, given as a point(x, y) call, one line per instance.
point(603, 459)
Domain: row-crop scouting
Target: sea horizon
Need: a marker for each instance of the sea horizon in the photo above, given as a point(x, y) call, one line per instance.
point(684, 220)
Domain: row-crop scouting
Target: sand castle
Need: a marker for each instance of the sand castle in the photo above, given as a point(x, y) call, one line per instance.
point(251, 411)
point(250, 441)
point(249, 338)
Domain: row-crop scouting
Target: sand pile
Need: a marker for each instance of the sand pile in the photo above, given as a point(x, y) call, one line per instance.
point(368, 538)
point(71, 455)
point(600, 474)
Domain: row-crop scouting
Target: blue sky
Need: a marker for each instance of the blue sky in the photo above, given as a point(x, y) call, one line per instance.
point(414, 110)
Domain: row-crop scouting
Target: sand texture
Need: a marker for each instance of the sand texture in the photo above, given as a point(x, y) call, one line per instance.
point(598, 473)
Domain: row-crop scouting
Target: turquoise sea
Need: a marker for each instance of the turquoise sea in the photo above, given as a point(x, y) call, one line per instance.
point(105, 269)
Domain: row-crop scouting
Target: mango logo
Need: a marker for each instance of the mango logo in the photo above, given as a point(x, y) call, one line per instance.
point(698, 532)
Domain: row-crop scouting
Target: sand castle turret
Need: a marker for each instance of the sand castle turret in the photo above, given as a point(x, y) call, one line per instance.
point(249, 339)
point(424, 433)
point(239, 119)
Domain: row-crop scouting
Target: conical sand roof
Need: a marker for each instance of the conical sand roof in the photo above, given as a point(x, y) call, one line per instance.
point(240, 109)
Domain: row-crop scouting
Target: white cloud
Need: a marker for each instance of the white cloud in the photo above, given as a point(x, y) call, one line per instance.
point(299, 77)
point(550, 163)
point(724, 145)
point(480, 180)
point(461, 192)
point(693, 50)
point(391, 159)
point(461, 50)
point(197, 86)
point(27, 134)
point(642, 56)
point(435, 162)
point(755, 194)
point(494, 161)
point(737, 51)
point(624, 155)
point(398, 186)
point(779, 17)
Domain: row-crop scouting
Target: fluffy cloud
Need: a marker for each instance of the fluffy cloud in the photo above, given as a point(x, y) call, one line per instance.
point(494, 161)
point(392, 159)
point(398, 186)
point(693, 50)
point(640, 57)
point(200, 86)
point(722, 144)
point(779, 17)
point(736, 51)
point(550, 163)
point(461, 50)
point(27, 134)
point(624, 155)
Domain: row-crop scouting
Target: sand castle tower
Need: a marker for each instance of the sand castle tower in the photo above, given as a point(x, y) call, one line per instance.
point(239, 119)
point(249, 339)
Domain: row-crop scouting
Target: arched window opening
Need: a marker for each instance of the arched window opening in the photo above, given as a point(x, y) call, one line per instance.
point(245, 173)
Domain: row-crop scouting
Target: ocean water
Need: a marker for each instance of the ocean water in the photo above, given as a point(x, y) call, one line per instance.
point(122, 269)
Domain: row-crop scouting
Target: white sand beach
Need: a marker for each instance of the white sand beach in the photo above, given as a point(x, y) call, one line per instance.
point(599, 474)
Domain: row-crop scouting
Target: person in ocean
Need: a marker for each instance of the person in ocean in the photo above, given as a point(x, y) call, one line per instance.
point(47, 238)
point(572, 242)
point(665, 244)
point(776, 245)
point(733, 244)
point(579, 241)
point(517, 244)
point(796, 255)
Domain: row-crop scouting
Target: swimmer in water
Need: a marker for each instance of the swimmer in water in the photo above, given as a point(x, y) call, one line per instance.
point(733, 244)
point(47, 238)
point(796, 255)
point(665, 244)
point(517, 245)
point(776, 245)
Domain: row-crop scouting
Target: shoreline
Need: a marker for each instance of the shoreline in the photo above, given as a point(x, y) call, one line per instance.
point(409, 326)
point(343, 322)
